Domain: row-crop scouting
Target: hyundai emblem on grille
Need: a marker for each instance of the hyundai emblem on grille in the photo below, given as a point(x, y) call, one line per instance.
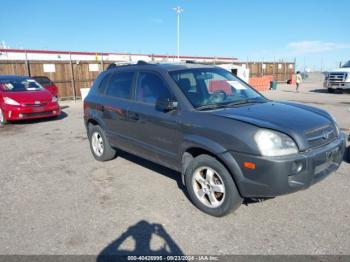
point(325, 135)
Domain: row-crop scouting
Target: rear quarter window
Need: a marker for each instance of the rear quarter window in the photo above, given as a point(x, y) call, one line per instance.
point(102, 84)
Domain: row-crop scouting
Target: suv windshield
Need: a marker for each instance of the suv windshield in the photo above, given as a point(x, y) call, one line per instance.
point(18, 85)
point(347, 64)
point(213, 88)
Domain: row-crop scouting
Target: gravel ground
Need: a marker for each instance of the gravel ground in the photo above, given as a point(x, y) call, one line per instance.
point(56, 199)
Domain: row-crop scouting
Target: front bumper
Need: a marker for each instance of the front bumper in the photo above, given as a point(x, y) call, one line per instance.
point(275, 176)
point(335, 85)
point(13, 113)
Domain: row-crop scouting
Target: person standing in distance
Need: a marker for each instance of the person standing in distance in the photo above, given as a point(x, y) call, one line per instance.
point(298, 80)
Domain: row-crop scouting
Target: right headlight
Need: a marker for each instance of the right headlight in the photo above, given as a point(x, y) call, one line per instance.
point(10, 101)
point(272, 143)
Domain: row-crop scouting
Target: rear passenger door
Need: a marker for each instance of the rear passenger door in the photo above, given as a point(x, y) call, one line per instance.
point(156, 132)
point(115, 108)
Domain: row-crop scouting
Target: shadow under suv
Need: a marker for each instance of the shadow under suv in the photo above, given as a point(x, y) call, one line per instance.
point(228, 141)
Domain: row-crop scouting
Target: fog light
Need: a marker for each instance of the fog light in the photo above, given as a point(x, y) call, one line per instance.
point(297, 166)
point(20, 116)
point(54, 112)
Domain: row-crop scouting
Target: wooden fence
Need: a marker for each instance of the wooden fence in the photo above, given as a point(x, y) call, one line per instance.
point(71, 76)
point(280, 71)
point(68, 76)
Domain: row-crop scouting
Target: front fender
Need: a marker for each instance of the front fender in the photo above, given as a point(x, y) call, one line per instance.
point(196, 141)
point(191, 141)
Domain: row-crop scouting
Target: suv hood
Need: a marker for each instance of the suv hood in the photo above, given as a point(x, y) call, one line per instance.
point(290, 118)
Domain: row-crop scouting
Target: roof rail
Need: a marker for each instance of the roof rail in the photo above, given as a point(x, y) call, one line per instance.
point(116, 64)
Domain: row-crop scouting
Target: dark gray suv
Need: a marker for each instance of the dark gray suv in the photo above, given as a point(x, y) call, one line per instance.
point(228, 141)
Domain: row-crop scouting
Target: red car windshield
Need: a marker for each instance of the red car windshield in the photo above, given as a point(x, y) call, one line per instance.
point(19, 85)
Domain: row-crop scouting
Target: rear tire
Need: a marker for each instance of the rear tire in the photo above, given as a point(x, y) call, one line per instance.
point(211, 187)
point(3, 120)
point(99, 145)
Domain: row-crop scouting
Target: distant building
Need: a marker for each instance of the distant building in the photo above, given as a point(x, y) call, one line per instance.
point(21, 54)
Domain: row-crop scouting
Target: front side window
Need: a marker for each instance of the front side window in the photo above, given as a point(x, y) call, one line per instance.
point(19, 85)
point(120, 85)
point(149, 88)
point(214, 87)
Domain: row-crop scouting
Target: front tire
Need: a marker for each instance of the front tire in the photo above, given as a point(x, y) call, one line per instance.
point(3, 120)
point(99, 145)
point(330, 90)
point(211, 187)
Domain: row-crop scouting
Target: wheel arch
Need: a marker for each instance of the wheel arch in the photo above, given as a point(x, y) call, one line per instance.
point(95, 121)
point(200, 146)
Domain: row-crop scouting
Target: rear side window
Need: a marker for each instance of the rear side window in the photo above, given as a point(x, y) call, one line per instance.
point(150, 87)
point(120, 84)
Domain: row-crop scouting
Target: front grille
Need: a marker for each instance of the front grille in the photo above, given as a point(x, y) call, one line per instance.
point(321, 136)
point(38, 114)
point(337, 77)
point(36, 105)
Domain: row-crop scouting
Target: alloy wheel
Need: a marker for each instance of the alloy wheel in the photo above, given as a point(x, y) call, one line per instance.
point(209, 187)
point(97, 144)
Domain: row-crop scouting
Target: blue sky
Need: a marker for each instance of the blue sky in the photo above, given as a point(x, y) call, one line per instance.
point(310, 31)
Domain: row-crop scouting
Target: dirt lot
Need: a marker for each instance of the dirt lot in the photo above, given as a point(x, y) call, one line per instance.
point(56, 199)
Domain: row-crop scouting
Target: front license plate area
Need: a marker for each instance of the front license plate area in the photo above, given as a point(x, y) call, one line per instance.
point(38, 109)
point(325, 160)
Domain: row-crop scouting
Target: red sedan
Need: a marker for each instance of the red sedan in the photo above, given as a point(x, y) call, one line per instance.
point(23, 98)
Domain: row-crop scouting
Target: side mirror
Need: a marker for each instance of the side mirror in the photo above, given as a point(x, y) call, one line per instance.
point(166, 104)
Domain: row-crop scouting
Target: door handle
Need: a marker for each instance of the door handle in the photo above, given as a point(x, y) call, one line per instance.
point(134, 116)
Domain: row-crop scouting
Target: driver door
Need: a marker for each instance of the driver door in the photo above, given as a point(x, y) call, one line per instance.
point(156, 133)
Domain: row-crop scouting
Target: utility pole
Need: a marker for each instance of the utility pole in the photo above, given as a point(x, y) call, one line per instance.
point(178, 11)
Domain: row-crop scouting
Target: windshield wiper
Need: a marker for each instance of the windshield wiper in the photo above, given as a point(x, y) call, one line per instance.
point(244, 101)
point(210, 106)
point(230, 104)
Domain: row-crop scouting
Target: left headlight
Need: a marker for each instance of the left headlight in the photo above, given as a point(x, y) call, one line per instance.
point(54, 99)
point(272, 143)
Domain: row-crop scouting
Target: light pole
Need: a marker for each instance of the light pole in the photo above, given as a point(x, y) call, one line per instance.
point(178, 11)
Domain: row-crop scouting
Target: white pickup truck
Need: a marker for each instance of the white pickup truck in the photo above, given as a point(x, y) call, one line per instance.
point(338, 78)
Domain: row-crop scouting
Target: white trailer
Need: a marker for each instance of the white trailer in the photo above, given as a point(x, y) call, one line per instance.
point(240, 71)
